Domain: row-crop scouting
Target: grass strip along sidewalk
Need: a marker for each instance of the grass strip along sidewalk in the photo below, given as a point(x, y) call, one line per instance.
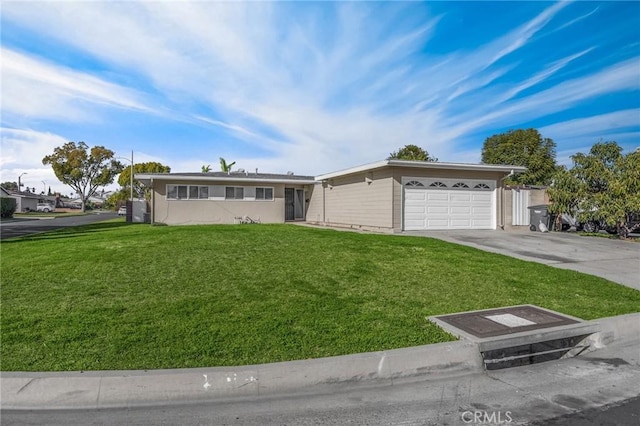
point(120, 296)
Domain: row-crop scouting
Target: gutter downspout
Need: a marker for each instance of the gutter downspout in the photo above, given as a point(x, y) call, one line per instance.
point(502, 197)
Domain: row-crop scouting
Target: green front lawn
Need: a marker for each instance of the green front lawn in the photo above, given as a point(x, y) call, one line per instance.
point(122, 296)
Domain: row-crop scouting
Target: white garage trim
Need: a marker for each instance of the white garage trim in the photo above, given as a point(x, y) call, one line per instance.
point(437, 204)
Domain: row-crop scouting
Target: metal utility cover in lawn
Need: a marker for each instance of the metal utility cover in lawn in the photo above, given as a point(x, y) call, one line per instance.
point(479, 325)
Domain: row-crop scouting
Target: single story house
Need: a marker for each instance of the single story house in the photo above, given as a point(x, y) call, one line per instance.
point(219, 197)
point(386, 196)
point(25, 201)
point(96, 200)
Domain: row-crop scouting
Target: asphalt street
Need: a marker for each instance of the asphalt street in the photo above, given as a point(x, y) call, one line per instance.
point(22, 227)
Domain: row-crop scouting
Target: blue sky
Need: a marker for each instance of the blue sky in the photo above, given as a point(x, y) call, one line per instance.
point(311, 87)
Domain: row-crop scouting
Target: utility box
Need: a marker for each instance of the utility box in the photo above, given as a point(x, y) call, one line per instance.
point(138, 211)
point(537, 215)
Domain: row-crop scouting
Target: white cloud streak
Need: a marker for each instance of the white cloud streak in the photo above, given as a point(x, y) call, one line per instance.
point(36, 88)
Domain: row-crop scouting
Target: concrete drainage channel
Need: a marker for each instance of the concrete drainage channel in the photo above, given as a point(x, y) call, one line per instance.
point(535, 352)
point(520, 335)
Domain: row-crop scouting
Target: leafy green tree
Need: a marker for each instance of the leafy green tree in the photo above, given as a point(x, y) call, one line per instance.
point(139, 190)
point(83, 169)
point(206, 169)
point(9, 186)
point(603, 185)
point(523, 147)
point(117, 198)
point(226, 167)
point(412, 153)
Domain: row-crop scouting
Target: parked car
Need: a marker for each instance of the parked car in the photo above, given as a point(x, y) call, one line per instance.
point(122, 211)
point(44, 207)
point(594, 226)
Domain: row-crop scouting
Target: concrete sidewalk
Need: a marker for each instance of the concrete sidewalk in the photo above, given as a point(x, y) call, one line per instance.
point(104, 389)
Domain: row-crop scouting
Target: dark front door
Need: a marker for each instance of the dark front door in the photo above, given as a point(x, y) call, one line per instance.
point(289, 204)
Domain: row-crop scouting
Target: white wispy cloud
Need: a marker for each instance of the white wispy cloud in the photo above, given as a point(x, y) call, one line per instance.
point(593, 126)
point(618, 77)
point(38, 88)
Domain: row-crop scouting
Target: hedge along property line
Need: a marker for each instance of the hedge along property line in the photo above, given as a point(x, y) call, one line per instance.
point(133, 296)
point(7, 207)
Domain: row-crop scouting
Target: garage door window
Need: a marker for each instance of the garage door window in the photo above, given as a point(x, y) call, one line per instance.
point(414, 183)
point(438, 185)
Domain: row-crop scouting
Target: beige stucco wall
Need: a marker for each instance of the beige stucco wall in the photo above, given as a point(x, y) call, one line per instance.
point(315, 205)
point(539, 196)
point(362, 200)
point(192, 212)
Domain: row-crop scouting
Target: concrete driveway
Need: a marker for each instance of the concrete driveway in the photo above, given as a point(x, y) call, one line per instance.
point(615, 260)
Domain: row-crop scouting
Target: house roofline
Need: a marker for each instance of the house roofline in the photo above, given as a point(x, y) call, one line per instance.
point(507, 169)
point(146, 179)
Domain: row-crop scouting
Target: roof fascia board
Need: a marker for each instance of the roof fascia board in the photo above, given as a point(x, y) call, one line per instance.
point(424, 165)
point(458, 166)
point(357, 169)
point(178, 178)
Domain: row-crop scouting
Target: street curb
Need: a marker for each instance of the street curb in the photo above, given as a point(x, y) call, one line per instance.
point(105, 389)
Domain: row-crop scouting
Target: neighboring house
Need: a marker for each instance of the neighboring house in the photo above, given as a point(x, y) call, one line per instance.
point(94, 199)
point(218, 197)
point(399, 195)
point(386, 196)
point(25, 201)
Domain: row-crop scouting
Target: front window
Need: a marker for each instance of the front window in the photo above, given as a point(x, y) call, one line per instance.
point(187, 192)
point(264, 193)
point(234, 193)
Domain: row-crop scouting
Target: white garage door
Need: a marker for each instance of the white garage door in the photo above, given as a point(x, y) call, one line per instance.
point(431, 203)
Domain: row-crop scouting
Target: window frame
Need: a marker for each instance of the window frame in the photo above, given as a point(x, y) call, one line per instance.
point(179, 192)
point(236, 190)
point(264, 190)
point(175, 194)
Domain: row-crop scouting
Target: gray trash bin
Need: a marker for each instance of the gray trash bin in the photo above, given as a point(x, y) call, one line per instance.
point(539, 214)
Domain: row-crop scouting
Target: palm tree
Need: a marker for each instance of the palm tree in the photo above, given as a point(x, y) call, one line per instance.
point(226, 167)
point(206, 169)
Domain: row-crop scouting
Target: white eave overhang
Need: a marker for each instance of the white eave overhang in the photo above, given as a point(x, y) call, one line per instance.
point(146, 179)
point(507, 169)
